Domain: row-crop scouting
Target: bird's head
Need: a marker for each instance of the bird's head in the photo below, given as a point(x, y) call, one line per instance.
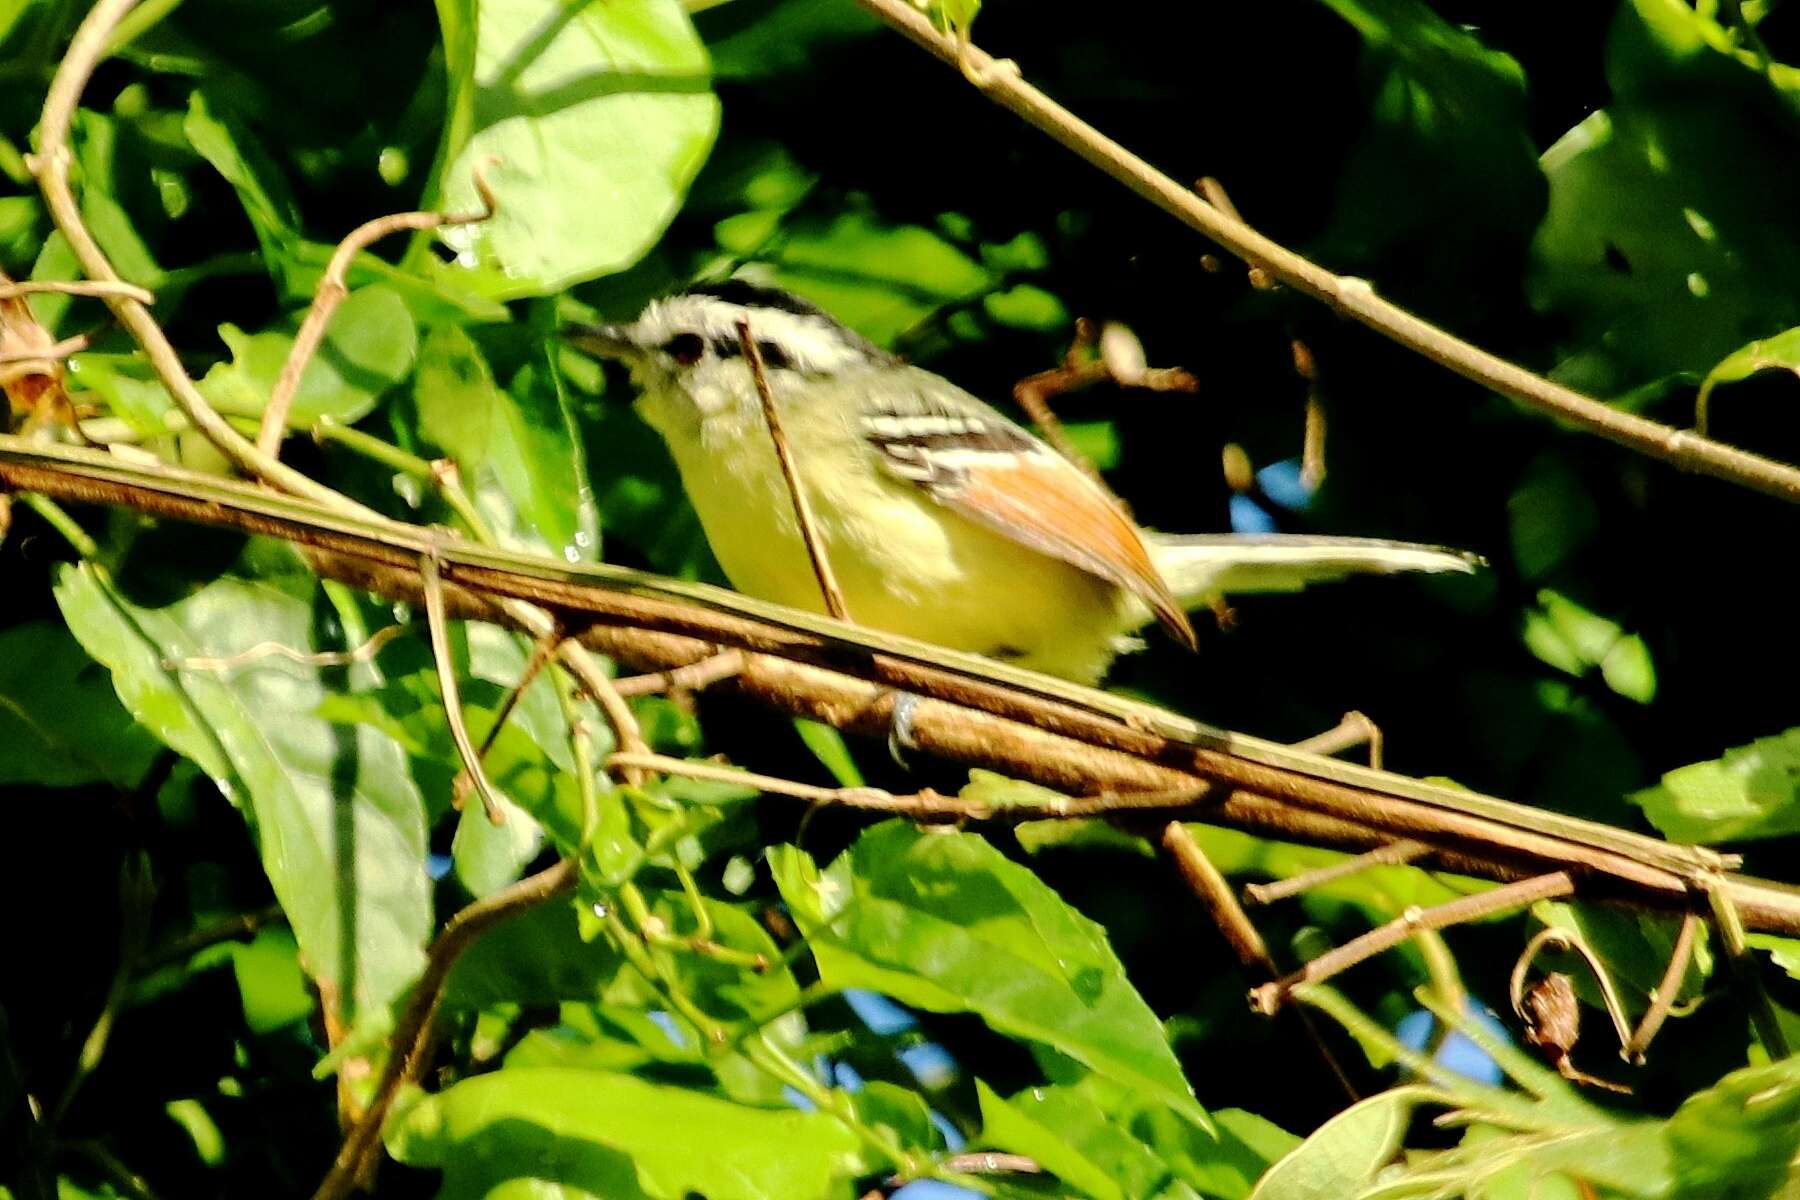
point(691, 343)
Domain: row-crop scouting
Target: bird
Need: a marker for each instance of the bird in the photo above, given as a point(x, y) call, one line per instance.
point(942, 519)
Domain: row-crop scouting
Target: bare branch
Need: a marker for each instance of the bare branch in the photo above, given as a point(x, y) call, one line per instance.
point(1214, 893)
point(1110, 753)
point(1662, 1000)
point(694, 677)
point(334, 286)
point(1390, 855)
point(1354, 298)
point(1269, 998)
point(411, 1042)
point(76, 287)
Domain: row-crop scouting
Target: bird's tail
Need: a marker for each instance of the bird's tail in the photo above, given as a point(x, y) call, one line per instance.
point(1202, 568)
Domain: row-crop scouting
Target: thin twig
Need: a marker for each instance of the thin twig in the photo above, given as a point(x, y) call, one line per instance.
point(321, 658)
point(1662, 1000)
point(926, 804)
point(1352, 730)
point(1093, 357)
point(438, 623)
point(784, 454)
point(75, 287)
point(1391, 855)
point(1269, 998)
point(410, 1043)
point(236, 928)
point(1354, 298)
point(1208, 884)
point(599, 686)
point(334, 286)
point(136, 893)
point(694, 677)
point(46, 354)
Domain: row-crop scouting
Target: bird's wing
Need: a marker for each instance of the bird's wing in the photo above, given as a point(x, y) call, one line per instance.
point(970, 459)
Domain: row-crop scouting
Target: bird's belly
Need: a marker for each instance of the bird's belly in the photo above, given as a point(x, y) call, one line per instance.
point(909, 566)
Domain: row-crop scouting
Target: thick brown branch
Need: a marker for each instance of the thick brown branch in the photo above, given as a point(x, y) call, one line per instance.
point(1354, 298)
point(1015, 729)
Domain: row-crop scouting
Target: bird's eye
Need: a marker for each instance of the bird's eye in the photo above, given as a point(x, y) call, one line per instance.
point(685, 348)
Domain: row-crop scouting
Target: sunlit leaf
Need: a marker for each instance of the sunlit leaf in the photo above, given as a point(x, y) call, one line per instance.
point(600, 116)
point(521, 461)
point(337, 819)
point(1343, 1155)
point(1068, 1135)
point(943, 922)
point(608, 1135)
point(1752, 792)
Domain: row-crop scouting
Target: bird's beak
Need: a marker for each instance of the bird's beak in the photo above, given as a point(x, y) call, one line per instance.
point(603, 341)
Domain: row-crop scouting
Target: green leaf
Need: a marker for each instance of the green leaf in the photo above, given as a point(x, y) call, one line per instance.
point(600, 115)
point(610, 1135)
point(537, 958)
point(1781, 351)
point(1738, 1139)
point(879, 278)
point(943, 922)
point(522, 463)
point(1635, 946)
point(273, 989)
point(368, 349)
point(60, 721)
point(1343, 1155)
point(1446, 168)
point(754, 39)
point(1575, 640)
point(828, 746)
point(1662, 244)
point(1752, 792)
point(336, 817)
point(1069, 1136)
point(1551, 515)
point(237, 155)
point(1226, 1166)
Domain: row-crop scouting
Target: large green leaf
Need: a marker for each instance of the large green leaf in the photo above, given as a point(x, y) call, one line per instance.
point(1446, 138)
point(336, 817)
point(1752, 792)
point(617, 1136)
point(1343, 1155)
point(1738, 1139)
point(944, 922)
point(1665, 240)
point(60, 723)
point(600, 115)
point(1066, 1133)
point(369, 347)
point(520, 457)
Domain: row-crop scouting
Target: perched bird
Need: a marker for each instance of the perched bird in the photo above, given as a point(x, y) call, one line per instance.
point(942, 520)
